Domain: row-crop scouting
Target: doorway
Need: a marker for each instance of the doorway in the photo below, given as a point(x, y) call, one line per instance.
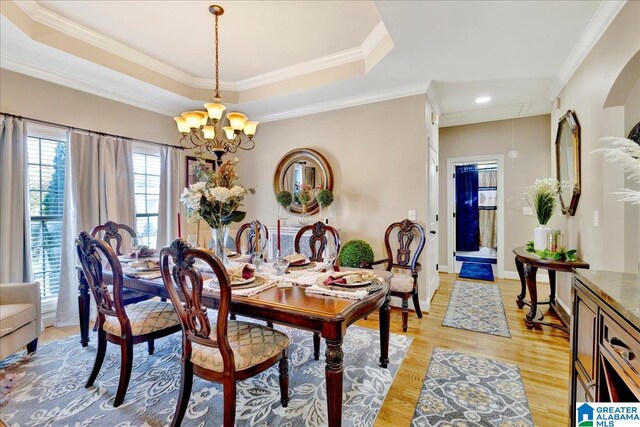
point(476, 212)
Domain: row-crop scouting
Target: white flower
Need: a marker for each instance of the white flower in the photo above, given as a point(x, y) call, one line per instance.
point(197, 187)
point(220, 194)
point(237, 191)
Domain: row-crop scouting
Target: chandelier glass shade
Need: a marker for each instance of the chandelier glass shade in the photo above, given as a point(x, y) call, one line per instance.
point(206, 131)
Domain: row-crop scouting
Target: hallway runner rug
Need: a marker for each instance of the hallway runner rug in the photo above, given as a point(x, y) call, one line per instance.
point(50, 386)
point(476, 271)
point(478, 307)
point(465, 390)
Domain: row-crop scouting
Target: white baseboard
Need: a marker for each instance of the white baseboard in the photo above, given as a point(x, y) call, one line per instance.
point(542, 276)
point(424, 305)
point(566, 308)
point(443, 268)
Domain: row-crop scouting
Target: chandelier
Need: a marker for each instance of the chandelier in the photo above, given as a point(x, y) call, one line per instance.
point(204, 131)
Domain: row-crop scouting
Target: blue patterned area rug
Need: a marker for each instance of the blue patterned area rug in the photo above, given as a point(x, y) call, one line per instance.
point(52, 392)
point(463, 390)
point(477, 307)
point(476, 271)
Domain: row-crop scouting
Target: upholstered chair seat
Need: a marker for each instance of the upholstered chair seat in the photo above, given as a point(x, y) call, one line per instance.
point(251, 345)
point(145, 317)
point(402, 283)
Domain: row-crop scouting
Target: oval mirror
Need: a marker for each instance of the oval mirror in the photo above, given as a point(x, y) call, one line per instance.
point(302, 166)
point(568, 162)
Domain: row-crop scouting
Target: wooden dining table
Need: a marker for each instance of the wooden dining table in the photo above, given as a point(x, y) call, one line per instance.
point(329, 316)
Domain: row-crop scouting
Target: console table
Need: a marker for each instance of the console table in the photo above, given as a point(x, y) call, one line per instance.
point(528, 264)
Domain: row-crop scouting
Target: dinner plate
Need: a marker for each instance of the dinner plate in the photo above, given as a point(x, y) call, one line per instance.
point(146, 268)
point(126, 258)
point(352, 285)
point(243, 282)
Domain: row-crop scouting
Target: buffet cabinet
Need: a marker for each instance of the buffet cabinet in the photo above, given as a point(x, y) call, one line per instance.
point(605, 341)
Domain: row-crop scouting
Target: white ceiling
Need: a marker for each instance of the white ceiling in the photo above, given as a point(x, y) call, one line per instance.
point(519, 53)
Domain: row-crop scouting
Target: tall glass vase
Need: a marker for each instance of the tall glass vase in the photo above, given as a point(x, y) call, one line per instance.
point(283, 213)
point(303, 218)
point(219, 242)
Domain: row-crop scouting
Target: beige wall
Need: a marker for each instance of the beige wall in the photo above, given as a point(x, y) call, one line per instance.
point(585, 93)
point(533, 161)
point(379, 170)
point(38, 99)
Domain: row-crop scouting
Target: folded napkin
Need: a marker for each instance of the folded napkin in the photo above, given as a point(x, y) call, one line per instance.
point(303, 278)
point(323, 290)
point(149, 264)
point(145, 275)
point(143, 252)
point(239, 272)
point(346, 278)
point(296, 259)
point(212, 286)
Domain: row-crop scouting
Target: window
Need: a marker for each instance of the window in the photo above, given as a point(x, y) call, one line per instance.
point(46, 194)
point(146, 174)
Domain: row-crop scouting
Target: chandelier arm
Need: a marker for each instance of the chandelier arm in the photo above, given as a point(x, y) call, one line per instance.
point(247, 148)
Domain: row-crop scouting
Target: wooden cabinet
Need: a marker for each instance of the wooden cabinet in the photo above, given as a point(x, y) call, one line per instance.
point(605, 350)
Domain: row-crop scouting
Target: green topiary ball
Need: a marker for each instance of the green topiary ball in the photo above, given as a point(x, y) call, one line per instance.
point(284, 198)
point(324, 197)
point(355, 253)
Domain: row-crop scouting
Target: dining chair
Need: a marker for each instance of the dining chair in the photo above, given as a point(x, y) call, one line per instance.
point(317, 244)
point(111, 232)
point(318, 240)
point(226, 351)
point(123, 325)
point(405, 286)
point(250, 229)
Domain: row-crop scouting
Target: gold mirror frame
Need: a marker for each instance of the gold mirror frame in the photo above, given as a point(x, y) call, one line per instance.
point(295, 156)
point(571, 121)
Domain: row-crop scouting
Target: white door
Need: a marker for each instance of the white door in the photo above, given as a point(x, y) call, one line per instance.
point(433, 281)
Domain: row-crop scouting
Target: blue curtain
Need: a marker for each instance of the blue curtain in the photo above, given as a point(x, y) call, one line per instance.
point(467, 213)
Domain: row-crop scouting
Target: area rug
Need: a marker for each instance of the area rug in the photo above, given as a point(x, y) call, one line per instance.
point(477, 259)
point(52, 391)
point(464, 390)
point(477, 271)
point(477, 307)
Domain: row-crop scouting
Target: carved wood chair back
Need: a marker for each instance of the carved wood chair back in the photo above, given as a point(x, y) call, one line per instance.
point(318, 239)
point(250, 229)
point(184, 276)
point(112, 232)
point(91, 251)
point(409, 235)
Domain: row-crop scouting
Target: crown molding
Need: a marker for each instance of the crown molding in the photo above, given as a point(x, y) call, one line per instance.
point(71, 28)
point(602, 18)
point(352, 101)
point(43, 73)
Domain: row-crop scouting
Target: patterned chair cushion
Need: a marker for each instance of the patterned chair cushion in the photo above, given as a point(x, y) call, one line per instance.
point(251, 344)
point(145, 317)
point(401, 283)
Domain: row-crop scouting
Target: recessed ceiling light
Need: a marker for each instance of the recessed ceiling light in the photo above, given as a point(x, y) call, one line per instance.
point(483, 99)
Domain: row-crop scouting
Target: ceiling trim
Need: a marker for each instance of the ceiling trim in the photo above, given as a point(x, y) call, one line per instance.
point(19, 66)
point(351, 101)
point(71, 28)
point(602, 18)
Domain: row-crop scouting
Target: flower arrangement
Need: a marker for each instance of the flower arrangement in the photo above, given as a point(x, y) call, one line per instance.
point(542, 198)
point(304, 195)
point(324, 197)
point(216, 198)
point(561, 254)
point(284, 198)
point(626, 153)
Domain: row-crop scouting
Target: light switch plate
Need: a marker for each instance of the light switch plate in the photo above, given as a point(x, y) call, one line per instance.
point(596, 219)
point(411, 215)
point(527, 211)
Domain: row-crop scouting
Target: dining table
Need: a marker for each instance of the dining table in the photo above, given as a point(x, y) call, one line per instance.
point(328, 316)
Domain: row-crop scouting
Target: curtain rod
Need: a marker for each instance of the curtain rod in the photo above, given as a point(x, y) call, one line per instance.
point(44, 122)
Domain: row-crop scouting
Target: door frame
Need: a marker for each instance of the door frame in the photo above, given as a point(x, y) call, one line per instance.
point(451, 162)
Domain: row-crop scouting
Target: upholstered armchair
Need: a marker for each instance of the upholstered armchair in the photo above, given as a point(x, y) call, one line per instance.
point(20, 317)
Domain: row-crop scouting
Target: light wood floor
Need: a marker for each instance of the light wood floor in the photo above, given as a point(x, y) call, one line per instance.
point(541, 354)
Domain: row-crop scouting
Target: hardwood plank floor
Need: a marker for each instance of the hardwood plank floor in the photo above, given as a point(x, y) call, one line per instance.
point(542, 355)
